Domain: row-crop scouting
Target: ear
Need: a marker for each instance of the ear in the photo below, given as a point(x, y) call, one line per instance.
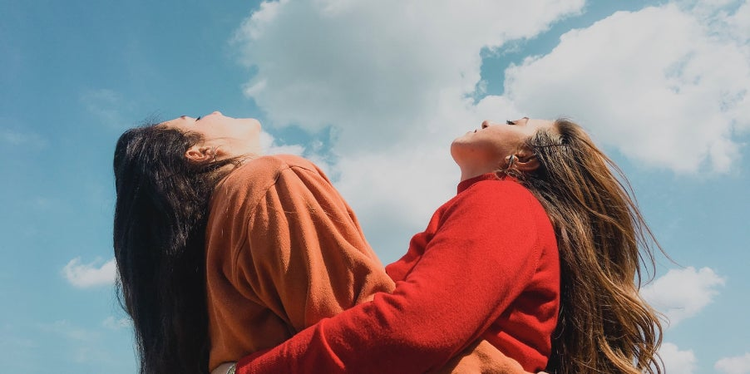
point(200, 153)
point(526, 161)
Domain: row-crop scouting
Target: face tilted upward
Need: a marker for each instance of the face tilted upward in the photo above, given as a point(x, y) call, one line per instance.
point(228, 137)
point(492, 143)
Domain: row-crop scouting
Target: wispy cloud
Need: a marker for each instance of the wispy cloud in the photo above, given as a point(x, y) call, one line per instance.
point(114, 323)
point(17, 347)
point(107, 106)
point(69, 331)
point(21, 138)
point(79, 344)
point(88, 275)
point(734, 365)
point(683, 293)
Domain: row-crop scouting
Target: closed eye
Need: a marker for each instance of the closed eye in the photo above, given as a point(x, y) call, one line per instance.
point(509, 122)
point(198, 119)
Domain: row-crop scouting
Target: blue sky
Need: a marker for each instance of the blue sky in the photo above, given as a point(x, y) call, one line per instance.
point(373, 92)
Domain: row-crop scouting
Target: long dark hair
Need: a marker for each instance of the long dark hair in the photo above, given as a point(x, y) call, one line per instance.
point(159, 244)
point(604, 326)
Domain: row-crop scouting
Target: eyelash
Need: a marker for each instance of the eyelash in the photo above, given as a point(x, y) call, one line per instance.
point(509, 122)
point(198, 119)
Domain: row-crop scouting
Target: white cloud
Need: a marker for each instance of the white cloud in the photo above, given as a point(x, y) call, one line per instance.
point(91, 274)
point(677, 361)
point(376, 69)
point(392, 79)
point(668, 87)
point(734, 365)
point(396, 83)
point(683, 293)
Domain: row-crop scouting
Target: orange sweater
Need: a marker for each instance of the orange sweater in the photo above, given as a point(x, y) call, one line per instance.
point(284, 250)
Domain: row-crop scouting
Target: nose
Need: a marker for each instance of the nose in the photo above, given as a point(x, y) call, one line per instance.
point(486, 124)
point(216, 113)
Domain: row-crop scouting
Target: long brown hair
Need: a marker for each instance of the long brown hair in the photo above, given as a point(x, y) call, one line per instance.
point(159, 240)
point(604, 325)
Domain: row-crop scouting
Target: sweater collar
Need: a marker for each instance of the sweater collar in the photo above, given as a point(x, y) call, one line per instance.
point(469, 182)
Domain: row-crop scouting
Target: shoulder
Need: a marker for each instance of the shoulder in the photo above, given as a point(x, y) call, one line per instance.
point(508, 185)
point(498, 196)
point(510, 203)
point(269, 167)
point(247, 184)
point(503, 190)
point(263, 172)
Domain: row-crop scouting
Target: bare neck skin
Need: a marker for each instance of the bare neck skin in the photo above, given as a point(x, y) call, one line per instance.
point(472, 171)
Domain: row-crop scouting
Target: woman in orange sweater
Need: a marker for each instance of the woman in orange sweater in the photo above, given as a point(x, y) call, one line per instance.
point(215, 243)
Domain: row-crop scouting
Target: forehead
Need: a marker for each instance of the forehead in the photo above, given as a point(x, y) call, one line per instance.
point(180, 123)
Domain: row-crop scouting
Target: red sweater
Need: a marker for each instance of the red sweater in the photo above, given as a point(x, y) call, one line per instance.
point(486, 266)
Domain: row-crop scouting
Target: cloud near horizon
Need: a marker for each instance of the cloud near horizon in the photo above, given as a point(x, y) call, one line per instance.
point(677, 361)
point(683, 293)
point(734, 365)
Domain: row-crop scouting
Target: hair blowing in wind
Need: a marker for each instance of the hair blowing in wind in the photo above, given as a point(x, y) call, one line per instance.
point(605, 326)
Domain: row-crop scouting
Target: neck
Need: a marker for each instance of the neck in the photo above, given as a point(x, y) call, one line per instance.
point(471, 172)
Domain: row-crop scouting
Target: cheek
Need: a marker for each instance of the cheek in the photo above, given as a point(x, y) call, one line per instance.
point(506, 141)
point(254, 130)
point(247, 133)
point(254, 135)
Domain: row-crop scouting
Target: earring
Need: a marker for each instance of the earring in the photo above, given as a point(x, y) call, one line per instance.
point(511, 160)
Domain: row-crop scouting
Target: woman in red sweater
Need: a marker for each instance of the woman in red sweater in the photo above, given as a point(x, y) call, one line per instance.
point(487, 267)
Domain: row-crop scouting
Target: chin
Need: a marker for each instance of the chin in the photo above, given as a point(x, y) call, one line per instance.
point(465, 138)
point(250, 122)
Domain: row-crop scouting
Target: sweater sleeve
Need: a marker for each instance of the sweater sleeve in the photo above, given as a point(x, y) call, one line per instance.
point(477, 263)
point(306, 257)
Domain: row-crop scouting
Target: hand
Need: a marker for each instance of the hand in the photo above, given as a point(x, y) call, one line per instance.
point(223, 368)
point(482, 357)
